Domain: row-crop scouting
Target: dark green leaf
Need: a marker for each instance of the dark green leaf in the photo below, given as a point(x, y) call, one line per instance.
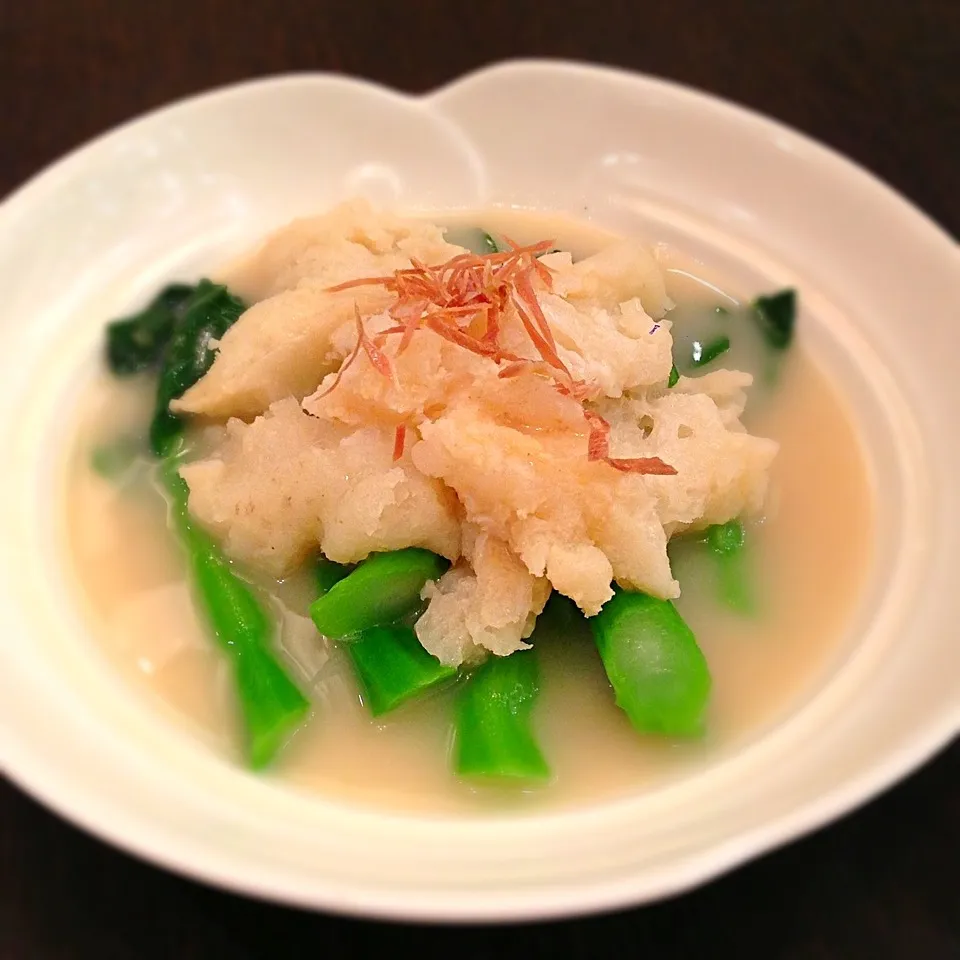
point(327, 574)
point(207, 316)
point(704, 353)
point(136, 343)
point(776, 315)
point(488, 244)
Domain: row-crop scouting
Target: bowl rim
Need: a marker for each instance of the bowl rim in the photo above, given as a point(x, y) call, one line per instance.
point(45, 786)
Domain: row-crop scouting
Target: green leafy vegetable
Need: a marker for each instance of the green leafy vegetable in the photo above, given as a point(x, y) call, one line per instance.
point(271, 704)
point(674, 376)
point(659, 675)
point(560, 615)
point(704, 353)
point(136, 343)
point(326, 573)
point(392, 667)
point(113, 460)
point(726, 542)
point(776, 316)
point(488, 244)
point(175, 331)
point(381, 590)
point(207, 316)
point(473, 238)
point(494, 735)
point(726, 538)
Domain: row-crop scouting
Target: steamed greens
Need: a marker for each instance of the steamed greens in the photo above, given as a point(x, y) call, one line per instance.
point(372, 609)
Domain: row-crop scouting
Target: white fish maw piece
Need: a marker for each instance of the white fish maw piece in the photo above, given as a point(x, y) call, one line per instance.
point(427, 375)
point(499, 473)
point(580, 570)
point(624, 541)
point(529, 404)
point(616, 350)
point(352, 240)
point(721, 470)
point(557, 260)
point(628, 529)
point(431, 375)
point(261, 491)
point(554, 508)
point(616, 274)
point(279, 487)
point(375, 504)
point(727, 389)
point(278, 348)
point(491, 609)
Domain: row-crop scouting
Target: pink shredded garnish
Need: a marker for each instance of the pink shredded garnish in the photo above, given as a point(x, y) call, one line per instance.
point(464, 301)
point(598, 443)
point(598, 448)
point(524, 365)
point(344, 367)
point(645, 465)
point(399, 438)
point(380, 361)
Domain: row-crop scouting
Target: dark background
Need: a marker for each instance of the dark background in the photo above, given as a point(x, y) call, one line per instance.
point(880, 82)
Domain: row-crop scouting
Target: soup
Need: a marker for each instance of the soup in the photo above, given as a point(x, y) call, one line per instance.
point(762, 661)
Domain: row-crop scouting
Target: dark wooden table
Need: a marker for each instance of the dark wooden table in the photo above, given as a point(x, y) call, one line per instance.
point(881, 82)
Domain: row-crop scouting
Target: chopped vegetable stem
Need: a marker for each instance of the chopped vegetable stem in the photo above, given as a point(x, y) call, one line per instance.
point(383, 589)
point(494, 736)
point(658, 673)
point(727, 542)
point(270, 702)
point(326, 573)
point(392, 667)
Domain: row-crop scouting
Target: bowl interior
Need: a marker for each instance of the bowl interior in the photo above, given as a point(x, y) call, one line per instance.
point(187, 187)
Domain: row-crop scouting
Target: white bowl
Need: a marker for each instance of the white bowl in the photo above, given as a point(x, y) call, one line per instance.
point(192, 183)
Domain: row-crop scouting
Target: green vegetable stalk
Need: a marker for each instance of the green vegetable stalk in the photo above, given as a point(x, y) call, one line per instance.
point(175, 332)
point(381, 590)
point(494, 735)
point(326, 573)
point(392, 667)
point(658, 673)
point(726, 542)
point(271, 704)
point(362, 606)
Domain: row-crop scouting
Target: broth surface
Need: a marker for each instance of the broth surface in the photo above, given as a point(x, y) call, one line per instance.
point(131, 581)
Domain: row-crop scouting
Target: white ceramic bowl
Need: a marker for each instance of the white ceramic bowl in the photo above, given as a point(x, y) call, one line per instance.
point(190, 184)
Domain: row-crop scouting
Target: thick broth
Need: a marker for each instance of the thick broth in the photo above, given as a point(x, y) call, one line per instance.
point(131, 580)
